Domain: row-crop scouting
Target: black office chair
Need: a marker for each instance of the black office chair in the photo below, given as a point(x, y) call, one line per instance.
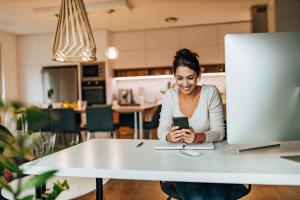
point(39, 121)
point(154, 123)
point(169, 189)
point(63, 120)
point(100, 119)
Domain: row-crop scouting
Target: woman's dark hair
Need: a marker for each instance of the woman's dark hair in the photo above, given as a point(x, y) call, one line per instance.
point(185, 57)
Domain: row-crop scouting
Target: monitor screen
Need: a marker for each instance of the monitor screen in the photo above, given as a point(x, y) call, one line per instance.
point(262, 87)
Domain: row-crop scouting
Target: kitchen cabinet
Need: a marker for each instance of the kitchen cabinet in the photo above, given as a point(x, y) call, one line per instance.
point(167, 70)
point(130, 59)
point(157, 47)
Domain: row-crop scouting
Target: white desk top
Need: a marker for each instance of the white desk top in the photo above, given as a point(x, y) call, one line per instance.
point(121, 159)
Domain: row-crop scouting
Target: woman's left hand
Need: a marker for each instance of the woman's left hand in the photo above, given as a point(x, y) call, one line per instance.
point(189, 136)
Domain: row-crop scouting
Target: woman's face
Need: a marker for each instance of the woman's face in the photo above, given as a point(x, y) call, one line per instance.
point(186, 79)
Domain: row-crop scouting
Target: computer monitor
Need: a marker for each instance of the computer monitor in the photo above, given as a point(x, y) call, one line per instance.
point(262, 87)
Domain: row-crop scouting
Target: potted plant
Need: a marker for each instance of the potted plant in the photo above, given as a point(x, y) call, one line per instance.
point(18, 148)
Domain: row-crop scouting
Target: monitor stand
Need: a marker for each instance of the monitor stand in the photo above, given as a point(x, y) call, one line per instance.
point(295, 158)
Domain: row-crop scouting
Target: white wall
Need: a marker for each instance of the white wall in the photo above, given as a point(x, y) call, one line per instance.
point(34, 52)
point(9, 66)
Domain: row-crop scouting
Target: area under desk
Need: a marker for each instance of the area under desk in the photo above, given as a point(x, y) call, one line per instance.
point(138, 112)
point(121, 159)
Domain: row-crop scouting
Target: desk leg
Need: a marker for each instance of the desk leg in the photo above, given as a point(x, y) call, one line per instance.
point(141, 124)
point(135, 126)
point(99, 189)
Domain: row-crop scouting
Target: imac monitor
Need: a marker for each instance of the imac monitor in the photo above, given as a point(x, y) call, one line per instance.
point(262, 87)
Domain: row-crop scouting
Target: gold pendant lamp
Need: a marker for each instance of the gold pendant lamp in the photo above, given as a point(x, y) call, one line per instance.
point(73, 41)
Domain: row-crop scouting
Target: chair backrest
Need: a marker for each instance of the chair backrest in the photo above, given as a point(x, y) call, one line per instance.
point(99, 119)
point(155, 118)
point(40, 122)
point(63, 120)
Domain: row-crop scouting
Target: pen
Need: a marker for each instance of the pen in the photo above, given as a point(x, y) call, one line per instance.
point(140, 144)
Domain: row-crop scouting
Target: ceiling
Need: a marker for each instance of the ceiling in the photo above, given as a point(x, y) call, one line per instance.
point(38, 16)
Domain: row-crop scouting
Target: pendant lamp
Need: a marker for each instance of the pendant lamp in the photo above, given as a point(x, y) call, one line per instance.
point(73, 41)
point(111, 52)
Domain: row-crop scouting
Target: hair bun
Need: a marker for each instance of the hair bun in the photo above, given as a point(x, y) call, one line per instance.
point(185, 53)
point(186, 57)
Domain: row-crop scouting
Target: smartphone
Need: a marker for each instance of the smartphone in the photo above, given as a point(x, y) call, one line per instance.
point(182, 122)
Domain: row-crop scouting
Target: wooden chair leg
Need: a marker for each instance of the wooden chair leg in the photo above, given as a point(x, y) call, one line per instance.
point(117, 133)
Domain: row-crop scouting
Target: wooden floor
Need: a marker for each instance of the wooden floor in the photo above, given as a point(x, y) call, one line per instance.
point(150, 190)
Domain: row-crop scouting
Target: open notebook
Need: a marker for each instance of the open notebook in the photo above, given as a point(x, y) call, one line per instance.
point(167, 145)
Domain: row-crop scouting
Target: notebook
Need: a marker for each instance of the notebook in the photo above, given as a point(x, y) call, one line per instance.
point(169, 146)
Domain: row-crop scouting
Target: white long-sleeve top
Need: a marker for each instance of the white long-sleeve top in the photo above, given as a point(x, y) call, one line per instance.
point(208, 117)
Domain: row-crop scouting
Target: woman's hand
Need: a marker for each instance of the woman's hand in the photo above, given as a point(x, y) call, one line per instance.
point(175, 135)
point(189, 136)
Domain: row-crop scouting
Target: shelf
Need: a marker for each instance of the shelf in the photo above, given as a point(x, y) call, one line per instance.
point(165, 70)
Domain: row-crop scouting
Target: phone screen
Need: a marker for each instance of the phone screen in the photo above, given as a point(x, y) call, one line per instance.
point(182, 122)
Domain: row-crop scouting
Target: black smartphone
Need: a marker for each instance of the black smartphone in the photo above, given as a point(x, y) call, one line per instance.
point(182, 122)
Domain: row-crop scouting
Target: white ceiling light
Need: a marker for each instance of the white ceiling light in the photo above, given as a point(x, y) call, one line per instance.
point(73, 41)
point(111, 52)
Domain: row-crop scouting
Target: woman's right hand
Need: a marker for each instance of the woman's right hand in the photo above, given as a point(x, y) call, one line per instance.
point(175, 135)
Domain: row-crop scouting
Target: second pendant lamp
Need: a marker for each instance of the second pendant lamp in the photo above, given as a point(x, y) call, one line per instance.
point(111, 52)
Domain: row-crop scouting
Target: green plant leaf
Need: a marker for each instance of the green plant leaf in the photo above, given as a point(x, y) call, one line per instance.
point(38, 180)
point(1, 104)
point(29, 197)
point(9, 148)
point(9, 163)
point(58, 187)
point(4, 184)
point(15, 105)
point(6, 136)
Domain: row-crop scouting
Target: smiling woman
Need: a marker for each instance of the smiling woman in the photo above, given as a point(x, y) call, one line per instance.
point(202, 105)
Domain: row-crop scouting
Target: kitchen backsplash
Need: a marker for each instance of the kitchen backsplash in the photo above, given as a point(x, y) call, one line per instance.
point(152, 88)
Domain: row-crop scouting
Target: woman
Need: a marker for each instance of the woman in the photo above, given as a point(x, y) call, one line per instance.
point(203, 107)
point(201, 104)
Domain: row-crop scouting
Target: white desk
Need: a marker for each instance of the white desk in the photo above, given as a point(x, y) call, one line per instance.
point(120, 159)
point(138, 111)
